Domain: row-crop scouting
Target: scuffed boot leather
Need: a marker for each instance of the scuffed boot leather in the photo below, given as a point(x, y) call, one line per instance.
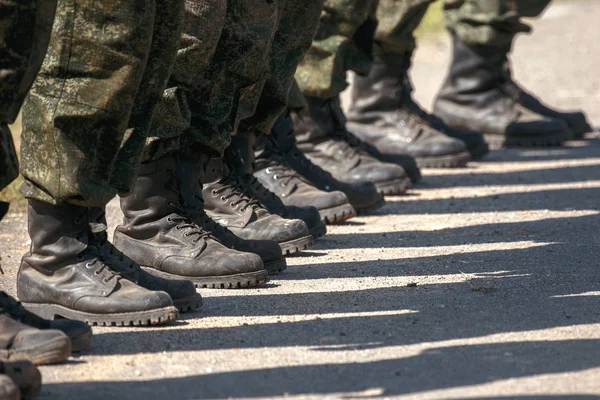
point(25, 378)
point(474, 97)
point(190, 175)
point(363, 197)
point(79, 333)
point(248, 169)
point(182, 292)
point(227, 203)
point(63, 275)
point(23, 342)
point(158, 234)
point(322, 136)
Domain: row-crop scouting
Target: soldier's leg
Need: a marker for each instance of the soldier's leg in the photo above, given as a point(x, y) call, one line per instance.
point(478, 92)
point(192, 124)
point(381, 110)
point(74, 132)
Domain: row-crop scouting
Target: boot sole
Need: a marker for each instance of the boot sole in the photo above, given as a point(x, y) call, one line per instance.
point(188, 304)
point(297, 245)
point(238, 281)
point(159, 316)
point(458, 160)
point(54, 352)
point(393, 188)
point(318, 231)
point(372, 207)
point(276, 267)
point(554, 139)
point(335, 215)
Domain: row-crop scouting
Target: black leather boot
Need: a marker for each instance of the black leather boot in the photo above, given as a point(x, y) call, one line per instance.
point(20, 380)
point(383, 114)
point(363, 196)
point(79, 333)
point(23, 342)
point(182, 292)
point(474, 96)
point(63, 275)
point(227, 202)
point(190, 175)
point(322, 136)
point(249, 167)
point(576, 120)
point(158, 234)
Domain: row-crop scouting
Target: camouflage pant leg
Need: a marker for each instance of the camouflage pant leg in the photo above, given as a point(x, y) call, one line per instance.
point(295, 31)
point(76, 116)
point(490, 22)
point(22, 50)
point(397, 20)
point(339, 46)
point(223, 55)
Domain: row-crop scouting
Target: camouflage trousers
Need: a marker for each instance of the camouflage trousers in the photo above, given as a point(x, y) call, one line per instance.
point(235, 63)
point(24, 33)
point(350, 30)
point(86, 119)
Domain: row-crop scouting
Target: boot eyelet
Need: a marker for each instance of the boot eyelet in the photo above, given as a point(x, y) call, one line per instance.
point(214, 192)
point(223, 198)
point(169, 219)
point(87, 265)
point(234, 206)
point(243, 209)
point(283, 184)
point(268, 171)
point(275, 177)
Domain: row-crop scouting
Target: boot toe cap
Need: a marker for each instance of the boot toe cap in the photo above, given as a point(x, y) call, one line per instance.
point(29, 341)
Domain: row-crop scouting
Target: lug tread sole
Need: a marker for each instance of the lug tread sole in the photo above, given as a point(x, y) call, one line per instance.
point(458, 160)
point(394, 187)
point(237, 281)
point(337, 214)
point(297, 245)
point(158, 316)
point(276, 267)
point(188, 304)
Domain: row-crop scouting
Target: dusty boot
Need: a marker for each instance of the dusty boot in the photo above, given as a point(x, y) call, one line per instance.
point(383, 114)
point(158, 234)
point(474, 97)
point(182, 292)
point(576, 120)
point(23, 342)
point(363, 196)
point(322, 136)
point(190, 174)
point(227, 203)
point(25, 378)
point(8, 389)
point(78, 332)
point(249, 168)
point(63, 275)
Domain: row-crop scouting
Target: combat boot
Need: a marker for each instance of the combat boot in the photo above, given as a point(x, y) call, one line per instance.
point(158, 234)
point(182, 292)
point(228, 204)
point(19, 380)
point(65, 276)
point(474, 96)
point(22, 342)
point(363, 196)
point(382, 113)
point(576, 120)
point(322, 136)
point(79, 333)
point(190, 174)
point(243, 154)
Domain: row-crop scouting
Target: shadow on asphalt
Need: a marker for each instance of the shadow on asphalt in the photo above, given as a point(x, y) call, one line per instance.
point(486, 363)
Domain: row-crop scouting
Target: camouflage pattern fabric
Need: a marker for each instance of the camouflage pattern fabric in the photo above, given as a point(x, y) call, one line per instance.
point(22, 49)
point(344, 28)
point(490, 22)
point(236, 60)
point(84, 121)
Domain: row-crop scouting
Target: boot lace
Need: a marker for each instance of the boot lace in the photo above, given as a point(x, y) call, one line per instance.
point(232, 189)
point(181, 218)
